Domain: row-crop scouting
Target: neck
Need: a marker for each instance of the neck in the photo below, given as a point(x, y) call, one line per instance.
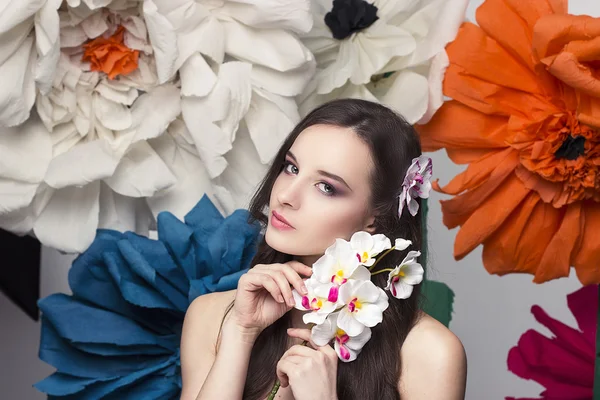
point(307, 260)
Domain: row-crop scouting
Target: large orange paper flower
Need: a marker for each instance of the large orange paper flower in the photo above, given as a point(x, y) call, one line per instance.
point(525, 116)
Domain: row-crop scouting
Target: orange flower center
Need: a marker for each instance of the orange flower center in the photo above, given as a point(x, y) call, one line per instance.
point(110, 55)
point(564, 153)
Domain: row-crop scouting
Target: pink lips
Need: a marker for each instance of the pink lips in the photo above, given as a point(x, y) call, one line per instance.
point(280, 223)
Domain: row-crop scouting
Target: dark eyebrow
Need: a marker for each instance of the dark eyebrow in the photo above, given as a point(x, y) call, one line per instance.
point(324, 173)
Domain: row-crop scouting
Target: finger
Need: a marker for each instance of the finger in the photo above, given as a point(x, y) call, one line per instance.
point(263, 281)
point(329, 353)
point(294, 278)
point(299, 350)
point(304, 334)
point(285, 367)
point(300, 268)
point(284, 285)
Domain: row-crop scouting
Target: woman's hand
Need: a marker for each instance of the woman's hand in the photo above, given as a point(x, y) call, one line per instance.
point(264, 294)
point(311, 372)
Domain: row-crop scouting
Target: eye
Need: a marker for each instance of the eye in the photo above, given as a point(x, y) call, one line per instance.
point(290, 168)
point(326, 188)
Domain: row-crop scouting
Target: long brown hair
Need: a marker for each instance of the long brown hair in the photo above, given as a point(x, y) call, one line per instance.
point(393, 143)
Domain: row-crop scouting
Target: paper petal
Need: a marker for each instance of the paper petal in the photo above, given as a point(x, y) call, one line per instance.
point(72, 211)
point(164, 41)
point(18, 86)
point(294, 15)
point(140, 173)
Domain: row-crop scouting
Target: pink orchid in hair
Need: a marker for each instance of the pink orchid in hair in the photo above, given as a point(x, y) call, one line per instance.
point(417, 183)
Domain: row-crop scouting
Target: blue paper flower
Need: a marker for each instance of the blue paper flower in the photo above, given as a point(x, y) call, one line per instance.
point(117, 336)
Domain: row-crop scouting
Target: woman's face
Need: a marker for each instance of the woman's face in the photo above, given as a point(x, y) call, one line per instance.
point(322, 193)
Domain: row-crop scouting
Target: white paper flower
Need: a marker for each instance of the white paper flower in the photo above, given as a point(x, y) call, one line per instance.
point(368, 246)
point(91, 76)
point(241, 66)
point(364, 306)
point(397, 59)
point(337, 266)
point(347, 347)
point(402, 279)
point(315, 301)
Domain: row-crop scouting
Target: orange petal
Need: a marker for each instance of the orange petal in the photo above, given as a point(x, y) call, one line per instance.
point(556, 261)
point(465, 155)
point(510, 23)
point(482, 178)
point(501, 250)
point(587, 258)
point(489, 216)
point(455, 125)
point(484, 58)
point(588, 111)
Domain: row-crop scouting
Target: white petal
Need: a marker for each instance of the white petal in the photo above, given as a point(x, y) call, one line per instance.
point(287, 83)
point(146, 121)
point(349, 324)
point(324, 333)
point(192, 178)
point(112, 115)
point(25, 153)
point(380, 243)
point(402, 244)
point(206, 37)
point(197, 78)
point(322, 268)
point(408, 94)
point(72, 211)
point(268, 125)
point(291, 15)
point(210, 140)
point(348, 290)
point(413, 274)
point(362, 242)
point(141, 173)
point(358, 342)
point(123, 213)
point(47, 33)
point(366, 292)
point(18, 86)
point(21, 220)
point(95, 4)
point(314, 318)
point(369, 315)
point(361, 274)
point(341, 349)
point(435, 78)
point(164, 41)
point(403, 290)
point(117, 92)
point(275, 48)
point(15, 12)
point(236, 77)
point(93, 160)
point(244, 169)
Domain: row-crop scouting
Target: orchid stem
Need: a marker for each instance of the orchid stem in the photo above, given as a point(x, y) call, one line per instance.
point(277, 384)
point(382, 271)
point(379, 258)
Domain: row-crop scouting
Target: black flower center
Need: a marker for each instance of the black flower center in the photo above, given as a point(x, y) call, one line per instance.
point(349, 16)
point(571, 148)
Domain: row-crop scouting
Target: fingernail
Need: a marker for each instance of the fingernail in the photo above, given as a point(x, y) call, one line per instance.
point(304, 289)
point(291, 301)
point(280, 299)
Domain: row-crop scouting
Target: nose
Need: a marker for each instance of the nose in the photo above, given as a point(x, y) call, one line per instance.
point(289, 195)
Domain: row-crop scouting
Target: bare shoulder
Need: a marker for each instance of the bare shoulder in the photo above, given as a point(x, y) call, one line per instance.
point(434, 362)
point(199, 336)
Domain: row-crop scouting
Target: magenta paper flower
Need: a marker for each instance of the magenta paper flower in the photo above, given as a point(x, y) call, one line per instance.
point(563, 364)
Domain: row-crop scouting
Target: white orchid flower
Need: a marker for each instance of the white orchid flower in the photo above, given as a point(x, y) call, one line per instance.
point(368, 246)
point(382, 50)
point(347, 347)
point(337, 266)
point(417, 183)
point(402, 278)
point(315, 301)
point(401, 244)
point(364, 306)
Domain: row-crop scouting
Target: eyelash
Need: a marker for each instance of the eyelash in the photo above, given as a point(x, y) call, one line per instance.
point(332, 191)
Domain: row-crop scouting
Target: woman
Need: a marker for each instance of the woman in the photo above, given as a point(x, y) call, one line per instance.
point(340, 171)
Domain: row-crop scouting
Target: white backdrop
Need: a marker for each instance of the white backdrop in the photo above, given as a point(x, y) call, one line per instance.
point(490, 312)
